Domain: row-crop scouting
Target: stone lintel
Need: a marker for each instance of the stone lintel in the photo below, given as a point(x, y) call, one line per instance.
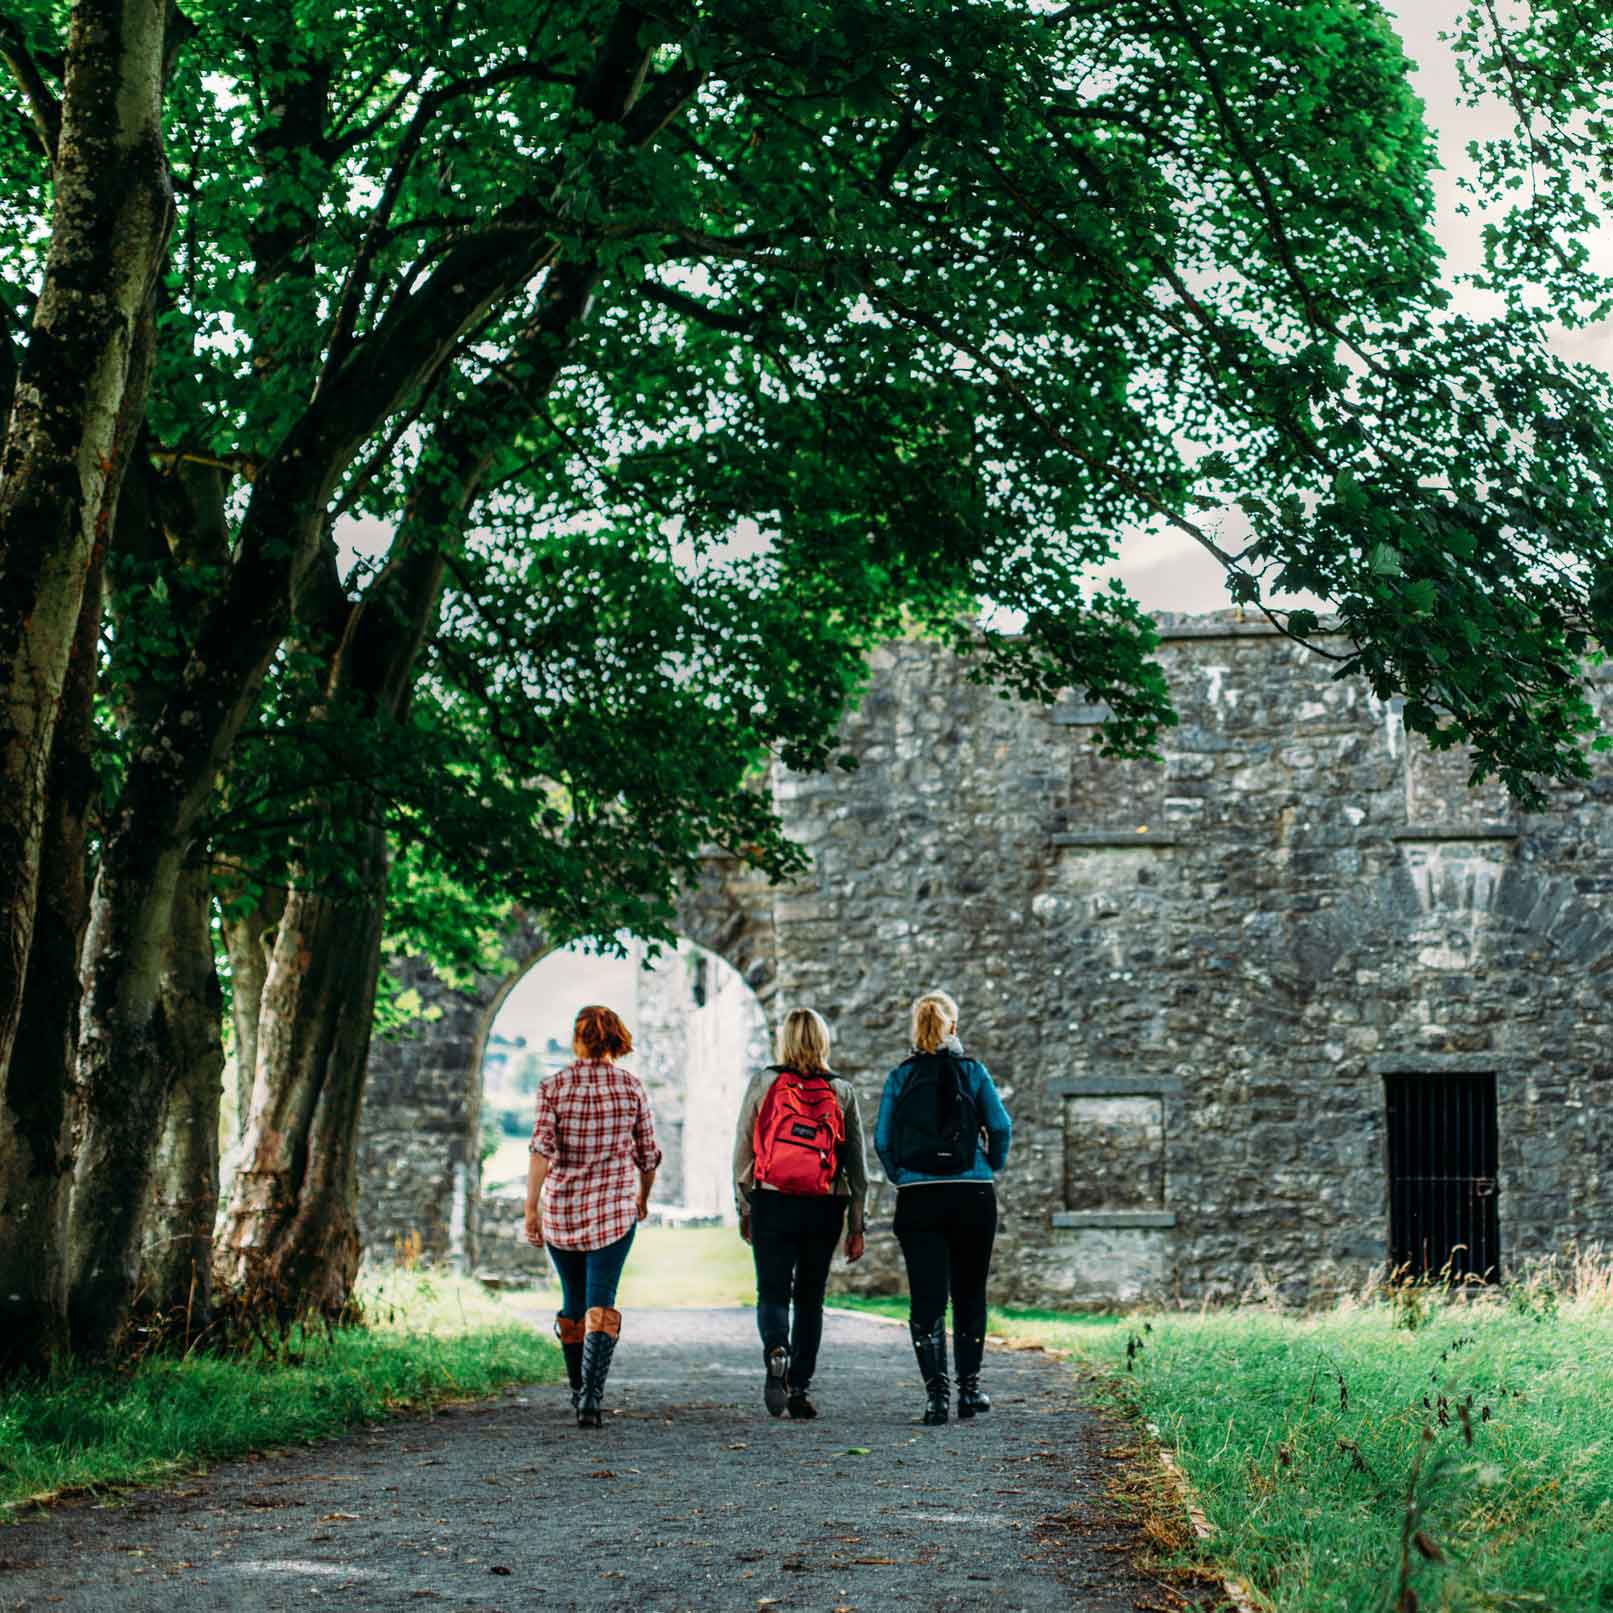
point(1115, 1086)
point(1456, 831)
point(1362, 1249)
point(1114, 837)
point(1260, 629)
point(1095, 1220)
point(1080, 714)
point(1443, 1063)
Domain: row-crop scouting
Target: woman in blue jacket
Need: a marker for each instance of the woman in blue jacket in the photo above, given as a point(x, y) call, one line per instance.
point(942, 1133)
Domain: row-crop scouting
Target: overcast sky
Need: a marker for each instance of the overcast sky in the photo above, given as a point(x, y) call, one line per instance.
point(545, 1000)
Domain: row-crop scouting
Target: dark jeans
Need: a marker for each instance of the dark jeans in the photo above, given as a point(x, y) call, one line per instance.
point(946, 1230)
point(793, 1240)
point(588, 1277)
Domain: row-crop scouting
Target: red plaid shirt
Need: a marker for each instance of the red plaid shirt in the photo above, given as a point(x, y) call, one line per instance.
point(595, 1129)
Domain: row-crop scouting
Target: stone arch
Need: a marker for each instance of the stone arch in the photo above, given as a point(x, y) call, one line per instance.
point(419, 1143)
point(1460, 903)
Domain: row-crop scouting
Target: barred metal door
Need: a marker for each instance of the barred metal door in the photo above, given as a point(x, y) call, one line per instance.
point(1442, 1174)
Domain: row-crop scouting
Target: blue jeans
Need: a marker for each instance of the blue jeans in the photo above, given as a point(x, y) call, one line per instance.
point(588, 1277)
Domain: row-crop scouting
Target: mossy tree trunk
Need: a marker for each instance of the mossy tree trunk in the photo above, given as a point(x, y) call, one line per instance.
point(70, 392)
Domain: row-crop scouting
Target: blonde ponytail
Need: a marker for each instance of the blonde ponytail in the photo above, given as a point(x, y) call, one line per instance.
point(935, 1017)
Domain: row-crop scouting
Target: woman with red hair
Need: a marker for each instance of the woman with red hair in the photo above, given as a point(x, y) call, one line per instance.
point(588, 1186)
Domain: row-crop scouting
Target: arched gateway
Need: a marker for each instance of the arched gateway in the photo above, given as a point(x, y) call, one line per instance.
point(420, 1140)
point(1287, 1004)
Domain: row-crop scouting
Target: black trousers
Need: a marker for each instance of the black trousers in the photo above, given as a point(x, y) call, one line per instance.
point(946, 1230)
point(793, 1241)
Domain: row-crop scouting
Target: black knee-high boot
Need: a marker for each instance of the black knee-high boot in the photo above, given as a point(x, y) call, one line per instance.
point(968, 1347)
point(604, 1327)
point(570, 1331)
point(930, 1346)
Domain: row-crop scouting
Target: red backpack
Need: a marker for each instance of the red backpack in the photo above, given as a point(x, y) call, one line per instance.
point(799, 1129)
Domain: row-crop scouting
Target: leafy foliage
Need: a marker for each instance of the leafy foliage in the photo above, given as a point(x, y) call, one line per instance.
point(1551, 63)
point(883, 313)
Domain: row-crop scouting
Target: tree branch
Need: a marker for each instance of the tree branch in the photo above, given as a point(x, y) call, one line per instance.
point(692, 308)
point(340, 143)
point(1268, 202)
point(666, 97)
point(8, 374)
point(45, 110)
point(1115, 473)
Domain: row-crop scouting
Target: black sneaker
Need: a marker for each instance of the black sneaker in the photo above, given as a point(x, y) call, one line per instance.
point(775, 1392)
point(800, 1406)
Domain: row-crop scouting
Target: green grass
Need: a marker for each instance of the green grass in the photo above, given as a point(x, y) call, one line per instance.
point(430, 1340)
point(687, 1266)
point(1299, 1434)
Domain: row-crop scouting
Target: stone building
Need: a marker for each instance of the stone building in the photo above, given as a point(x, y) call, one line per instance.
point(1291, 1003)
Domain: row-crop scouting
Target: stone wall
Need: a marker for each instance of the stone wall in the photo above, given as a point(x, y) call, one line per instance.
point(727, 1044)
point(700, 1033)
point(1190, 978)
point(660, 1059)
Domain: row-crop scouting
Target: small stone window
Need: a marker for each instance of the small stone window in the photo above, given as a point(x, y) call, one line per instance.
point(1114, 1153)
point(1437, 790)
point(1104, 794)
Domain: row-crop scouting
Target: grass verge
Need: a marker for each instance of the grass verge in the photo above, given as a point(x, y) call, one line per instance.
point(1410, 1451)
point(430, 1340)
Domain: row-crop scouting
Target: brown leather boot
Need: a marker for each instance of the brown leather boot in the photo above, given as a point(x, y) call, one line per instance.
point(570, 1330)
point(603, 1328)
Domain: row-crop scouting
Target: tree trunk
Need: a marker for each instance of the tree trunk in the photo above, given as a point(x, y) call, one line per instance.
point(171, 778)
point(127, 1066)
point(169, 785)
point(33, 1222)
point(247, 938)
point(277, 1207)
point(290, 1240)
point(113, 210)
point(176, 1273)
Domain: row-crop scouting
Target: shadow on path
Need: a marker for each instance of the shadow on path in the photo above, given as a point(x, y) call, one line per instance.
point(690, 1498)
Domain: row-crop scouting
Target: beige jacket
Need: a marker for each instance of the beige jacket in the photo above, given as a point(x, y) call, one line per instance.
point(851, 1182)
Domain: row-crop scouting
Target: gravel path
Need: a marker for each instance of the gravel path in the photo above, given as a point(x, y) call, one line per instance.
point(690, 1498)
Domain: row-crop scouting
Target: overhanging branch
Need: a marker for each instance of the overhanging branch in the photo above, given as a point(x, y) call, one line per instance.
point(679, 302)
point(44, 108)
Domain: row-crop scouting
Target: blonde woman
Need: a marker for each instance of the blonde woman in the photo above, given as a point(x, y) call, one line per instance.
point(942, 1134)
point(799, 1173)
point(593, 1163)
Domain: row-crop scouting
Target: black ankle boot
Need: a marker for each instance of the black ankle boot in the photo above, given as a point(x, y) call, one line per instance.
point(571, 1335)
point(598, 1346)
point(930, 1346)
point(799, 1405)
point(967, 1349)
point(775, 1387)
point(973, 1401)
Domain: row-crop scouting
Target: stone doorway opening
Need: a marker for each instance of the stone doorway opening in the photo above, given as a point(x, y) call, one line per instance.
point(699, 1033)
